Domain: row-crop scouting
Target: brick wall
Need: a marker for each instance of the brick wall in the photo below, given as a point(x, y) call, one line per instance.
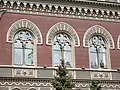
point(44, 53)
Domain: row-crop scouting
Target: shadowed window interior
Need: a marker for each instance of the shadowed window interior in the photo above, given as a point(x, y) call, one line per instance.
point(62, 41)
point(98, 52)
point(23, 48)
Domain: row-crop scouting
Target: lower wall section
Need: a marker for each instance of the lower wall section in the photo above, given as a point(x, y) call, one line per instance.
point(5, 72)
point(49, 72)
point(42, 88)
point(30, 78)
point(4, 88)
point(16, 83)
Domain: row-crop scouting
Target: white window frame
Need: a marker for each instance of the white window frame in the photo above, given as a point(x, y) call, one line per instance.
point(72, 53)
point(34, 52)
point(108, 65)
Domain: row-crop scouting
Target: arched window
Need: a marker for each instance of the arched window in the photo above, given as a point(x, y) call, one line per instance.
point(25, 36)
point(63, 32)
point(98, 52)
point(62, 41)
point(24, 43)
point(99, 41)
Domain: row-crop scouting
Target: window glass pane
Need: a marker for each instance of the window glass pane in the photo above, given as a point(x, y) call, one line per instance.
point(29, 56)
point(56, 58)
point(18, 44)
point(29, 44)
point(102, 58)
point(18, 56)
point(68, 58)
point(98, 52)
point(67, 47)
point(94, 61)
point(92, 49)
point(56, 47)
point(23, 45)
point(102, 49)
point(62, 41)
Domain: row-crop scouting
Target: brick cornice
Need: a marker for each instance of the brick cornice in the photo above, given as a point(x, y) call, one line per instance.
point(100, 4)
point(83, 9)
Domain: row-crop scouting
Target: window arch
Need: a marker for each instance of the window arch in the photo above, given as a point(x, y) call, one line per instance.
point(97, 29)
point(24, 35)
point(32, 89)
point(16, 89)
point(24, 24)
point(63, 31)
point(62, 27)
point(99, 41)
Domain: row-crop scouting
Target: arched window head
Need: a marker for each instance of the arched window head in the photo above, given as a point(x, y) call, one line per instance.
point(16, 89)
point(62, 49)
point(98, 51)
point(32, 89)
point(24, 43)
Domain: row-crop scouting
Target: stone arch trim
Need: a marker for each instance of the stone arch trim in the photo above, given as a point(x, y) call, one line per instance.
point(97, 29)
point(118, 42)
point(27, 24)
point(62, 27)
point(32, 88)
point(16, 88)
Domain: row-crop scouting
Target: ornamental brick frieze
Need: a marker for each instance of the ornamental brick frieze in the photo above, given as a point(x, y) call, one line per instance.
point(74, 11)
point(101, 75)
point(42, 82)
point(24, 73)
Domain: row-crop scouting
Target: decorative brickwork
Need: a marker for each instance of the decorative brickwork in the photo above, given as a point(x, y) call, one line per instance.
point(97, 29)
point(24, 24)
point(62, 27)
point(77, 11)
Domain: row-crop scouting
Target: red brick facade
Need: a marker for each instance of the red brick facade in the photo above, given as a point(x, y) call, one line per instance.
point(44, 52)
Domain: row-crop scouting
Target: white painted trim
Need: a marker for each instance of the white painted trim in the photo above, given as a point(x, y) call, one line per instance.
point(14, 88)
point(118, 42)
point(86, 69)
point(92, 30)
point(66, 28)
point(110, 76)
point(32, 88)
point(16, 25)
